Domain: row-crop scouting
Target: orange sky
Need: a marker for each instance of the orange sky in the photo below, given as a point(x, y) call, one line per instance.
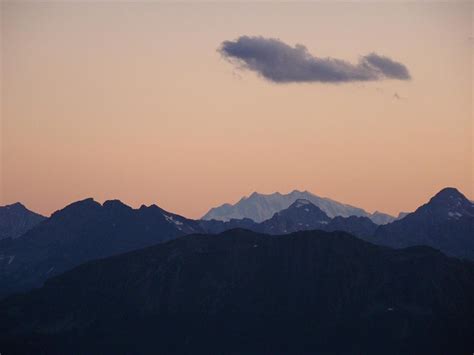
point(132, 101)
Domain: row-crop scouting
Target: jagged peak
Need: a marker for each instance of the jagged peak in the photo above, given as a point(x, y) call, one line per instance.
point(256, 194)
point(152, 207)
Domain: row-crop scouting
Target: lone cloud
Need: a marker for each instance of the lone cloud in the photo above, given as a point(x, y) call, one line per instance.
point(280, 63)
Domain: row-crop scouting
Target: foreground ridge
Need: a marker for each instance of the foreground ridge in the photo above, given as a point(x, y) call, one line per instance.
point(246, 292)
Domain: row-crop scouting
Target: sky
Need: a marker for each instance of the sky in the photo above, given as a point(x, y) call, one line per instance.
point(184, 106)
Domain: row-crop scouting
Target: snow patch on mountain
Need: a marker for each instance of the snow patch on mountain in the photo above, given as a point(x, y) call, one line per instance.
point(301, 202)
point(172, 220)
point(454, 215)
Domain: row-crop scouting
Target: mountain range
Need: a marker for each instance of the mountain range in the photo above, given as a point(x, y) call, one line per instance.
point(87, 230)
point(260, 207)
point(300, 216)
point(83, 231)
point(242, 292)
point(446, 222)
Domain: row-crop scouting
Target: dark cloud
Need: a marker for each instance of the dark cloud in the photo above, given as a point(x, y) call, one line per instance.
point(387, 67)
point(281, 63)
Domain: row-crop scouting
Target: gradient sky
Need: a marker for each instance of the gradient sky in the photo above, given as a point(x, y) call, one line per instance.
point(133, 101)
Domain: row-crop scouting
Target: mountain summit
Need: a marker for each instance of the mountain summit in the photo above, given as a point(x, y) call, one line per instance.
point(260, 207)
point(16, 219)
point(301, 215)
point(449, 203)
point(446, 223)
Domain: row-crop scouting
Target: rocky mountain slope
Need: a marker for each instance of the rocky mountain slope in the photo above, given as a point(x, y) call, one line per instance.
point(16, 219)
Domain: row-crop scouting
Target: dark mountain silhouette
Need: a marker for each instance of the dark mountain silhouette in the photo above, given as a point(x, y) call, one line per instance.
point(301, 215)
point(16, 219)
point(214, 226)
point(86, 230)
point(358, 226)
point(446, 223)
point(80, 232)
point(246, 293)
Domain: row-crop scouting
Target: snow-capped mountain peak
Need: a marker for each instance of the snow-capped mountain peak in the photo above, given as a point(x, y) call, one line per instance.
point(260, 207)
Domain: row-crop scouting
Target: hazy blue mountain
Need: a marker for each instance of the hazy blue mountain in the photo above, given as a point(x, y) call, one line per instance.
point(381, 218)
point(300, 216)
point(246, 293)
point(16, 219)
point(260, 207)
point(80, 232)
point(446, 223)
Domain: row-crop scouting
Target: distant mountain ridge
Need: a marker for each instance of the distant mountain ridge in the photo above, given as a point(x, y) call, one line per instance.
point(446, 223)
point(302, 215)
point(260, 207)
point(85, 230)
point(16, 219)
